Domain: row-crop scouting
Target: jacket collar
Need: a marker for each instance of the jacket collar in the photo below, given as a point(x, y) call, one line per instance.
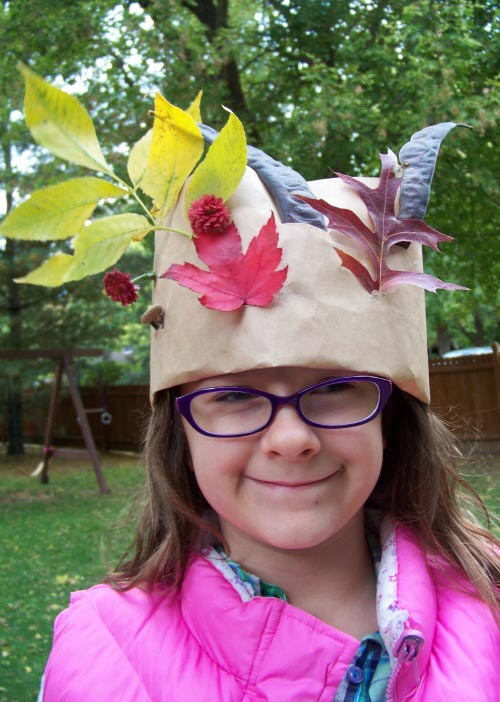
point(222, 615)
point(264, 638)
point(406, 602)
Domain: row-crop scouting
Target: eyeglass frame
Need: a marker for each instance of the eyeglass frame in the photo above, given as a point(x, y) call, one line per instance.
point(384, 386)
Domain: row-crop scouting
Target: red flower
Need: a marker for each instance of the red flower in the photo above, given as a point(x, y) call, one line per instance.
point(119, 287)
point(209, 215)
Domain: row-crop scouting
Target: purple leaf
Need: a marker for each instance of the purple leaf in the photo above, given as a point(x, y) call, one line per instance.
point(423, 280)
point(358, 269)
point(346, 222)
point(387, 231)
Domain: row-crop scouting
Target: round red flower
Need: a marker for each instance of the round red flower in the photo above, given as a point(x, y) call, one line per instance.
point(209, 215)
point(119, 287)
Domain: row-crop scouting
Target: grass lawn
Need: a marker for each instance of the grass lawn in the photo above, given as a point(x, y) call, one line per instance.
point(54, 539)
point(60, 537)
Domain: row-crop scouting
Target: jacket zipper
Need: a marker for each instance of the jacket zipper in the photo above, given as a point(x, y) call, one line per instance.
point(406, 651)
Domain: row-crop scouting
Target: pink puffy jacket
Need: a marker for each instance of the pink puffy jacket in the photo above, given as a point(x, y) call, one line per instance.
point(207, 645)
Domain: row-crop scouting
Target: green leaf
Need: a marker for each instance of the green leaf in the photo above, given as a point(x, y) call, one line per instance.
point(222, 168)
point(61, 124)
point(138, 159)
point(51, 273)
point(97, 247)
point(58, 211)
point(176, 147)
point(103, 242)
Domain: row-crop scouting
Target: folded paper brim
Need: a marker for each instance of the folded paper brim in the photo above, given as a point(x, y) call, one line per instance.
point(322, 318)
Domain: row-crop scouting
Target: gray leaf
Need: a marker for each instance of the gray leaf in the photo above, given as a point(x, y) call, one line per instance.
point(281, 181)
point(420, 153)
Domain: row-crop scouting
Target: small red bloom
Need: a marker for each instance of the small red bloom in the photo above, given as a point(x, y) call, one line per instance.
point(119, 287)
point(209, 215)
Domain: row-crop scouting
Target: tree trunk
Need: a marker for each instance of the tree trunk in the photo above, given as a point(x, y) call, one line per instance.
point(443, 340)
point(214, 15)
point(15, 445)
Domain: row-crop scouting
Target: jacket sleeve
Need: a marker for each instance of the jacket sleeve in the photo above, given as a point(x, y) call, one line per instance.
point(86, 663)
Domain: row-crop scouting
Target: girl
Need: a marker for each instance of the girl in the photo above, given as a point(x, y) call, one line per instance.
point(302, 537)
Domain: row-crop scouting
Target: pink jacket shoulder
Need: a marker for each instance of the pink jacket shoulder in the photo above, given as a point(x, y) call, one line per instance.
point(105, 643)
point(205, 643)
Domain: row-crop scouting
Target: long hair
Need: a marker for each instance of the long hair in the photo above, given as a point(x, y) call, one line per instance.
point(419, 484)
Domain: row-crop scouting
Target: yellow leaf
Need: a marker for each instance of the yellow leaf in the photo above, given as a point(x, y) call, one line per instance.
point(194, 108)
point(97, 246)
point(138, 158)
point(58, 211)
point(176, 147)
point(103, 242)
point(222, 168)
point(51, 273)
point(61, 124)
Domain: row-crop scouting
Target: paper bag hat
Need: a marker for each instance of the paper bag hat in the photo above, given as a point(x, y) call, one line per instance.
point(254, 267)
point(333, 310)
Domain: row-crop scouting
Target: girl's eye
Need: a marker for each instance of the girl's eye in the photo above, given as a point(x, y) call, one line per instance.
point(333, 388)
point(232, 396)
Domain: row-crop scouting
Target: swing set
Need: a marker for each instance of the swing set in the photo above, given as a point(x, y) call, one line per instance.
point(63, 359)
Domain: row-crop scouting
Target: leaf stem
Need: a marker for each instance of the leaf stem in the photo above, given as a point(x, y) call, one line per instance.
point(133, 192)
point(163, 228)
point(150, 276)
point(155, 227)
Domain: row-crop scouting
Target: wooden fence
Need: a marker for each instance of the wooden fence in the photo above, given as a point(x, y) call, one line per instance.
point(465, 391)
point(128, 406)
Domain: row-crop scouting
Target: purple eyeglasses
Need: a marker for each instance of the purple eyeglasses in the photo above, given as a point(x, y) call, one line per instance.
point(232, 411)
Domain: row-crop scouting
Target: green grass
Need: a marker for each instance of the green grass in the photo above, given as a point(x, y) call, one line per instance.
point(62, 537)
point(54, 539)
point(482, 471)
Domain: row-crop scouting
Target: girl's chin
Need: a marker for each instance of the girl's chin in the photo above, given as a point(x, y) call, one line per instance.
point(287, 538)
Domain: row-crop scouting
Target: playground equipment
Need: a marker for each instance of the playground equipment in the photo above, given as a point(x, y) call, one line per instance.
point(64, 365)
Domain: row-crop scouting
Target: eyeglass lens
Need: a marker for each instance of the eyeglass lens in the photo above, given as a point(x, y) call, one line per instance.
point(241, 411)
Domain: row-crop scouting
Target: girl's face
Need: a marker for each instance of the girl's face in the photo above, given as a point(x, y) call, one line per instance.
point(291, 486)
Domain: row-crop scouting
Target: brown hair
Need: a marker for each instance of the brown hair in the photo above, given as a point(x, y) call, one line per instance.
point(419, 484)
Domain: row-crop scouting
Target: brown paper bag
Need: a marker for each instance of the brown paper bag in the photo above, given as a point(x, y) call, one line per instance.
point(322, 317)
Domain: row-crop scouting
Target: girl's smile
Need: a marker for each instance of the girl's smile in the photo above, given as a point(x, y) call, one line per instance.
point(292, 485)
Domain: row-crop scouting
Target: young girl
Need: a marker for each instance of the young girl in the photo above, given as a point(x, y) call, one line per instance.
point(303, 535)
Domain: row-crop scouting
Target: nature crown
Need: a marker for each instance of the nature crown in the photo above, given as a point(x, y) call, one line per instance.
point(326, 274)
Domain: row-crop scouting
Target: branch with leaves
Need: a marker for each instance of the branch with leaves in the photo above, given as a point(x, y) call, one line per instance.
point(158, 166)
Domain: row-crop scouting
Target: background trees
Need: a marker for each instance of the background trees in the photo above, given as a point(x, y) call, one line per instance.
point(321, 85)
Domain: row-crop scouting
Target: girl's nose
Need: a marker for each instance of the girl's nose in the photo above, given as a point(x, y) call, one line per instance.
point(289, 437)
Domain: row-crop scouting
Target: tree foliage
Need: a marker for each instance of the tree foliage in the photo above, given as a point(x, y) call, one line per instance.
point(72, 315)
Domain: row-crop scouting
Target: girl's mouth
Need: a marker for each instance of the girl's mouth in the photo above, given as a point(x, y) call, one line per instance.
point(292, 485)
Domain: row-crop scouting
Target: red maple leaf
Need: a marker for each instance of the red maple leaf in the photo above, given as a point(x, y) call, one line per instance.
point(234, 278)
point(387, 231)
